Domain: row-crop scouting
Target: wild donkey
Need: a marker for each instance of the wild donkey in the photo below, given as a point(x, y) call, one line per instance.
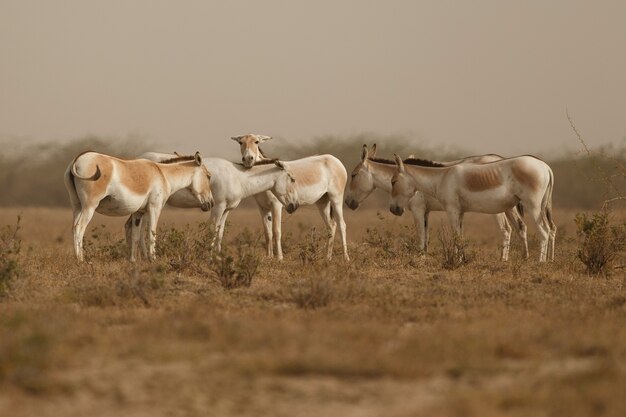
point(320, 180)
point(117, 187)
point(231, 183)
point(484, 188)
point(372, 173)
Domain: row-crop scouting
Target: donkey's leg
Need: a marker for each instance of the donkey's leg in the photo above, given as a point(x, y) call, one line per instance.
point(80, 225)
point(542, 228)
point(215, 220)
point(519, 225)
point(505, 228)
point(222, 227)
point(552, 226)
point(324, 207)
point(266, 218)
point(136, 235)
point(455, 217)
point(128, 230)
point(145, 230)
point(337, 213)
point(426, 232)
point(153, 220)
point(277, 214)
point(420, 226)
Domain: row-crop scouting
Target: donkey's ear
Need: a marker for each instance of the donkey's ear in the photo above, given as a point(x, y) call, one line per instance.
point(263, 138)
point(373, 151)
point(280, 165)
point(399, 162)
point(198, 158)
point(236, 138)
point(364, 153)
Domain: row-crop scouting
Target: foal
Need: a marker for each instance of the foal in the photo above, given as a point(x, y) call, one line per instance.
point(117, 187)
point(321, 180)
point(484, 188)
point(372, 173)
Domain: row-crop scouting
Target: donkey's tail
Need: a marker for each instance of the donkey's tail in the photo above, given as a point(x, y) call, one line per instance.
point(94, 177)
point(548, 201)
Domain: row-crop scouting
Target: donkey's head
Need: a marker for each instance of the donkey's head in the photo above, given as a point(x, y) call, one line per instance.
point(200, 185)
point(249, 146)
point(402, 188)
point(361, 181)
point(285, 189)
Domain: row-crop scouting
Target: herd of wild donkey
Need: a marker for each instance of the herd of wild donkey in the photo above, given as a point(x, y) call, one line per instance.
point(505, 187)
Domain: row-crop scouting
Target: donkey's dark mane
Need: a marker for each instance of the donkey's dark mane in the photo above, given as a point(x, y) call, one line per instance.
point(265, 161)
point(178, 159)
point(262, 162)
point(410, 161)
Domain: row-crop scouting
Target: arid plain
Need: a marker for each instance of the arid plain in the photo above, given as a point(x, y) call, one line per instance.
point(390, 333)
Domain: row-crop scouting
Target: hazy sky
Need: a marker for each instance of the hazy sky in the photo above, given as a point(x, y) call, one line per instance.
point(492, 76)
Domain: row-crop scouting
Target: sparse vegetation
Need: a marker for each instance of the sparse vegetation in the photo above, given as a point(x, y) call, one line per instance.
point(453, 249)
point(10, 246)
point(313, 290)
point(485, 334)
point(600, 243)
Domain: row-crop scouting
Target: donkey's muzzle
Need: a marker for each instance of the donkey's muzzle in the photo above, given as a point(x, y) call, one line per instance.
point(398, 211)
point(352, 204)
point(291, 207)
point(206, 206)
point(248, 161)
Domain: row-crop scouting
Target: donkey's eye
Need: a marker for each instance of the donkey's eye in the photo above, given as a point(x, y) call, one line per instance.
point(256, 142)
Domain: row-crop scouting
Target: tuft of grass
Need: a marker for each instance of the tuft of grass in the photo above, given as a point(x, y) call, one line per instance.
point(237, 270)
point(600, 243)
point(311, 248)
point(314, 290)
point(10, 246)
point(134, 287)
point(101, 244)
point(453, 249)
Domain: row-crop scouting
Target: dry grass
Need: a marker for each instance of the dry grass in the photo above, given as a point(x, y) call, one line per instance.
point(391, 333)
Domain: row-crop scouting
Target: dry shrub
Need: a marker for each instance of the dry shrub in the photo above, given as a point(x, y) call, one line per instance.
point(238, 270)
point(134, 288)
point(186, 250)
point(101, 245)
point(311, 248)
point(599, 242)
point(9, 251)
point(453, 249)
point(314, 290)
point(235, 272)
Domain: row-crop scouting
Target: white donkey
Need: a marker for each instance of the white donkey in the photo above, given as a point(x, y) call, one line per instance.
point(320, 180)
point(371, 173)
point(117, 187)
point(484, 188)
point(231, 183)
